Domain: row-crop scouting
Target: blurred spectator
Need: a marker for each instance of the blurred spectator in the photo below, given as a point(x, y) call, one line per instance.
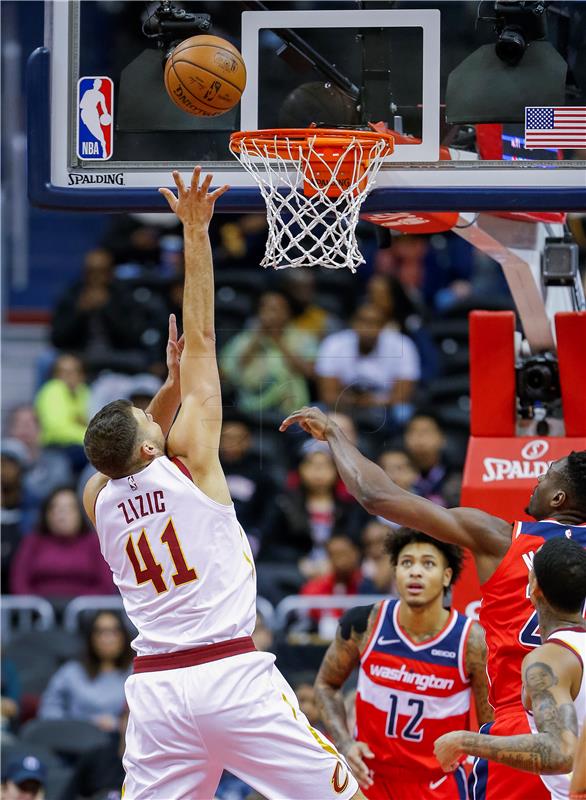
point(11, 521)
point(376, 568)
point(400, 468)
point(403, 315)
point(435, 271)
point(298, 525)
point(100, 770)
point(239, 241)
point(97, 319)
point(262, 635)
point(425, 443)
point(24, 779)
point(11, 693)
point(63, 559)
point(44, 468)
point(302, 520)
point(92, 689)
point(270, 365)
point(307, 701)
point(62, 405)
point(343, 578)
point(367, 365)
point(299, 287)
point(251, 485)
point(139, 389)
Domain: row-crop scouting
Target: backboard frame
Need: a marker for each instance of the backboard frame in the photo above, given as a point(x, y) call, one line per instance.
point(420, 185)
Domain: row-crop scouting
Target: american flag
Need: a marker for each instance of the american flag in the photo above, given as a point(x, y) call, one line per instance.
point(557, 126)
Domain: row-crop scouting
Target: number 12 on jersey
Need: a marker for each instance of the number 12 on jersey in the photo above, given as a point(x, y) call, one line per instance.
point(152, 570)
point(410, 731)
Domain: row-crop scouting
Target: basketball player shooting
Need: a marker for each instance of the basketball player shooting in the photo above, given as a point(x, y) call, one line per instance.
point(503, 554)
point(554, 682)
point(418, 665)
point(202, 699)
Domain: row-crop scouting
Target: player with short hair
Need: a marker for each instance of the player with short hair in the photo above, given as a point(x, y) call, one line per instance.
point(418, 663)
point(202, 698)
point(503, 554)
point(554, 683)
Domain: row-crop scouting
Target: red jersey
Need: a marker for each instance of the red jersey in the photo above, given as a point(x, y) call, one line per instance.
point(506, 613)
point(409, 693)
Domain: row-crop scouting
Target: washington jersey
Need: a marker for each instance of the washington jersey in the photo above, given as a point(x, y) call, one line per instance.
point(574, 639)
point(181, 561)
point(506, 613)
point(409, 693)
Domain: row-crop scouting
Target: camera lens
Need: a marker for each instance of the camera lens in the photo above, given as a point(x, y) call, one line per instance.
point(510, 46)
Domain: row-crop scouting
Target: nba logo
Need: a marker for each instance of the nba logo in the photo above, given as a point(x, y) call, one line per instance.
point(95, 118)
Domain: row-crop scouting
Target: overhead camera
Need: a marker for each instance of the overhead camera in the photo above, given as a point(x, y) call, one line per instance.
point(538, 389)
point(517, 24)
point(170, 25)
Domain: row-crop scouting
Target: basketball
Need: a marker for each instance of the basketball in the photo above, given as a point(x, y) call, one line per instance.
point(205, 76)
point(105, 119)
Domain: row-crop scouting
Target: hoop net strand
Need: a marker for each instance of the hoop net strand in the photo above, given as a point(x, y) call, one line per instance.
point(312, 202)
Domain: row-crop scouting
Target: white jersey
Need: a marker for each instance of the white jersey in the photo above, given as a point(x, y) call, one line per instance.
point(181, 561)
point(574, 640)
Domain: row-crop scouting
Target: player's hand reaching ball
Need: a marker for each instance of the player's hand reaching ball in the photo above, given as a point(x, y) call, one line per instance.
point(355, 755)
point(448, 750)
point(312, 420)
point(193, 205)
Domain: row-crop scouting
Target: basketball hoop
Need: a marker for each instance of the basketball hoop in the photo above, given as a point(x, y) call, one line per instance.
point(313, 181)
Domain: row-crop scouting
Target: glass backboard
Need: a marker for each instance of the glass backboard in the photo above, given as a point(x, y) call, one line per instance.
point(429, 71)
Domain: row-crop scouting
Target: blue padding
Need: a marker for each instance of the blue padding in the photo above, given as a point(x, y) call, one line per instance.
point(43, 194)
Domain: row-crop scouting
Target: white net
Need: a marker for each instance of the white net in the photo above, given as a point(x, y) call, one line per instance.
point(313, 201)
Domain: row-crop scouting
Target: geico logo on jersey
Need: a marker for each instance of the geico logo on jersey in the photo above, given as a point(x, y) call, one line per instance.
point(421, 682)
point(95, 118)
point(443, 653)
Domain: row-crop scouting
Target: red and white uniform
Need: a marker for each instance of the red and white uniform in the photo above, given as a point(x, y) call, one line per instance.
point(408, 694)
point(574, 640)
point(201, 698)
point(510, 624)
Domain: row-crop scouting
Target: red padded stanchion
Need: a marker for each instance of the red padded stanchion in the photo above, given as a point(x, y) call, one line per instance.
point(571, 339)
point(492, 373)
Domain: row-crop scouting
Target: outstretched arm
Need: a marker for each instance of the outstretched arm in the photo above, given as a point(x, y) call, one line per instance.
point(196, 432)
point(342, 656)
point(486, 536)
point(548, 673)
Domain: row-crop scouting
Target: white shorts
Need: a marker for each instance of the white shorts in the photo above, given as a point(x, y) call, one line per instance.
point(187, 725)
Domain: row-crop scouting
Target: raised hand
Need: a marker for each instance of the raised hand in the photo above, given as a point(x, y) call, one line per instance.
point(194, 205)
point(174, 350)
point(312, 420)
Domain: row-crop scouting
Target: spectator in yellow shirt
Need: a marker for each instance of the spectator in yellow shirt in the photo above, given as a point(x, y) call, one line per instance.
point(62, 406)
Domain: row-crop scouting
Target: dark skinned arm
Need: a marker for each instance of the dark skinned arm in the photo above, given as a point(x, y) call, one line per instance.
point(548, 675)
point(342, 656)
point(486, 536)
point(476, 670)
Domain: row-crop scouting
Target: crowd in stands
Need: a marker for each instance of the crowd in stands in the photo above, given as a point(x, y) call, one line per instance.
point(364, 347)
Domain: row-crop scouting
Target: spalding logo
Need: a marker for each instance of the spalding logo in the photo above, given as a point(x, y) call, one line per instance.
point(531, 466)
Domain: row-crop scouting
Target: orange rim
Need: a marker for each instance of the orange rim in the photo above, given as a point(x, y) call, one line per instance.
point(276, 142)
